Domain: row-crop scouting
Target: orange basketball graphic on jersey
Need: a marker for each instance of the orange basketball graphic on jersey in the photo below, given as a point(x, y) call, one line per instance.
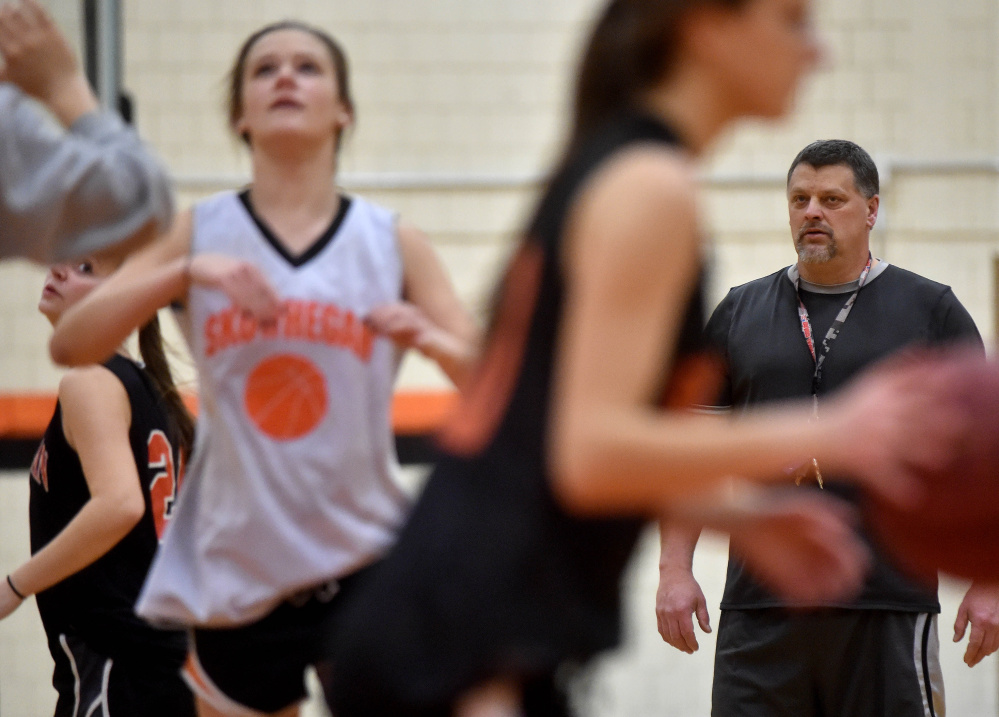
point(285, 396)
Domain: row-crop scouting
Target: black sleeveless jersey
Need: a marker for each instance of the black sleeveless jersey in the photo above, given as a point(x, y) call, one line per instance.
point(491, 575)
point(575, 563)
point(97, 602)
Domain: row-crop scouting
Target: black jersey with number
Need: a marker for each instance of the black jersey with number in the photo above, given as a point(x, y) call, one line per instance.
point(97, 602)
point(757, 329)
point(491, 575)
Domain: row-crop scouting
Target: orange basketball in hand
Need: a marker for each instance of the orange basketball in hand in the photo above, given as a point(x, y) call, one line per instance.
point(955, 526)
point(285, 396)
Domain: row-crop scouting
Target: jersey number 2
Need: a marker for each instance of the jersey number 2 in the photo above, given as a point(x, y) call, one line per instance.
point(165, 484)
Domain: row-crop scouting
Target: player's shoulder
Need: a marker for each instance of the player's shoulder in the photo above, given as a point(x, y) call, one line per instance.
point(89, 396)
point(83, 383)
point(634, 146)
point(658, 167)
point(81, 377)
point(643, 186)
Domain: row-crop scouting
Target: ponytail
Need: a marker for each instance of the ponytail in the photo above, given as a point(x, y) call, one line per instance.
point(154, 356)
point(626, 53)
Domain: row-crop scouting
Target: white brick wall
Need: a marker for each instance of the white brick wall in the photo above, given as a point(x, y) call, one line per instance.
point(480, 87)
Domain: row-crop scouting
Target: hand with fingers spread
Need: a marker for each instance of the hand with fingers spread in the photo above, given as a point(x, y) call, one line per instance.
point(41, 62)
point(980, 609)
point(244, 283)
point(802, 545)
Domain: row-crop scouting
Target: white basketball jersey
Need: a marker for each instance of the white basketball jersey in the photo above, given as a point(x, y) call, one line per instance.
point(291, 482)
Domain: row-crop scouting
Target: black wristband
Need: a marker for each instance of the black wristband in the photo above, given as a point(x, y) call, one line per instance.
point(14, 589)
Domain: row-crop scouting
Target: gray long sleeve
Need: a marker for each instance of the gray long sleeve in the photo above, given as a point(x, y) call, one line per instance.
point(64, 194)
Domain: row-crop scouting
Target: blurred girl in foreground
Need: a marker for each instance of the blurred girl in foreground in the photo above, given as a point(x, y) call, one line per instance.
point(507, 573)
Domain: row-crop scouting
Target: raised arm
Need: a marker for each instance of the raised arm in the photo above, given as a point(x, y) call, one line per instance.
point(431, 318)
point(65, 194)
point(96, 417)
point(41, 63)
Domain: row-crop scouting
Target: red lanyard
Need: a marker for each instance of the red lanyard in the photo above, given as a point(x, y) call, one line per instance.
point(833, 332)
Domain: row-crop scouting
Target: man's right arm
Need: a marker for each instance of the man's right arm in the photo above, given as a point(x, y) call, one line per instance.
point(679, 596)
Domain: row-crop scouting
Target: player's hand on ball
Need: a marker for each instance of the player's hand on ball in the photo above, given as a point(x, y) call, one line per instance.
point(950, 447)
point(898, 419)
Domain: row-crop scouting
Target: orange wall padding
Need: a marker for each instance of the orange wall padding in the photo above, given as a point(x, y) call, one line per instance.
point(419, 412)
point(25, 415)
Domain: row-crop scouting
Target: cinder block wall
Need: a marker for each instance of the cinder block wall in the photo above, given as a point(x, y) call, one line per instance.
point(461, 105)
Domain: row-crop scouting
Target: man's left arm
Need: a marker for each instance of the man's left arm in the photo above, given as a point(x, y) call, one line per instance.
point(980, 607)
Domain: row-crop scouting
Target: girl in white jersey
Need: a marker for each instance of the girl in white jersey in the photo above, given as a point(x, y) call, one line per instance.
point(290, 491)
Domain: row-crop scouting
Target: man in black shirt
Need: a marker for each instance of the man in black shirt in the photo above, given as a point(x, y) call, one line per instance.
point(803, 332)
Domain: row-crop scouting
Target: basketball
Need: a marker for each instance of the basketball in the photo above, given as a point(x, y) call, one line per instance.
point(954, 526)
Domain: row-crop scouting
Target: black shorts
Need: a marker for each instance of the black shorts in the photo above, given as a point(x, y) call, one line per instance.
point(261, 666)
point(827, 663)
point(90, 683)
